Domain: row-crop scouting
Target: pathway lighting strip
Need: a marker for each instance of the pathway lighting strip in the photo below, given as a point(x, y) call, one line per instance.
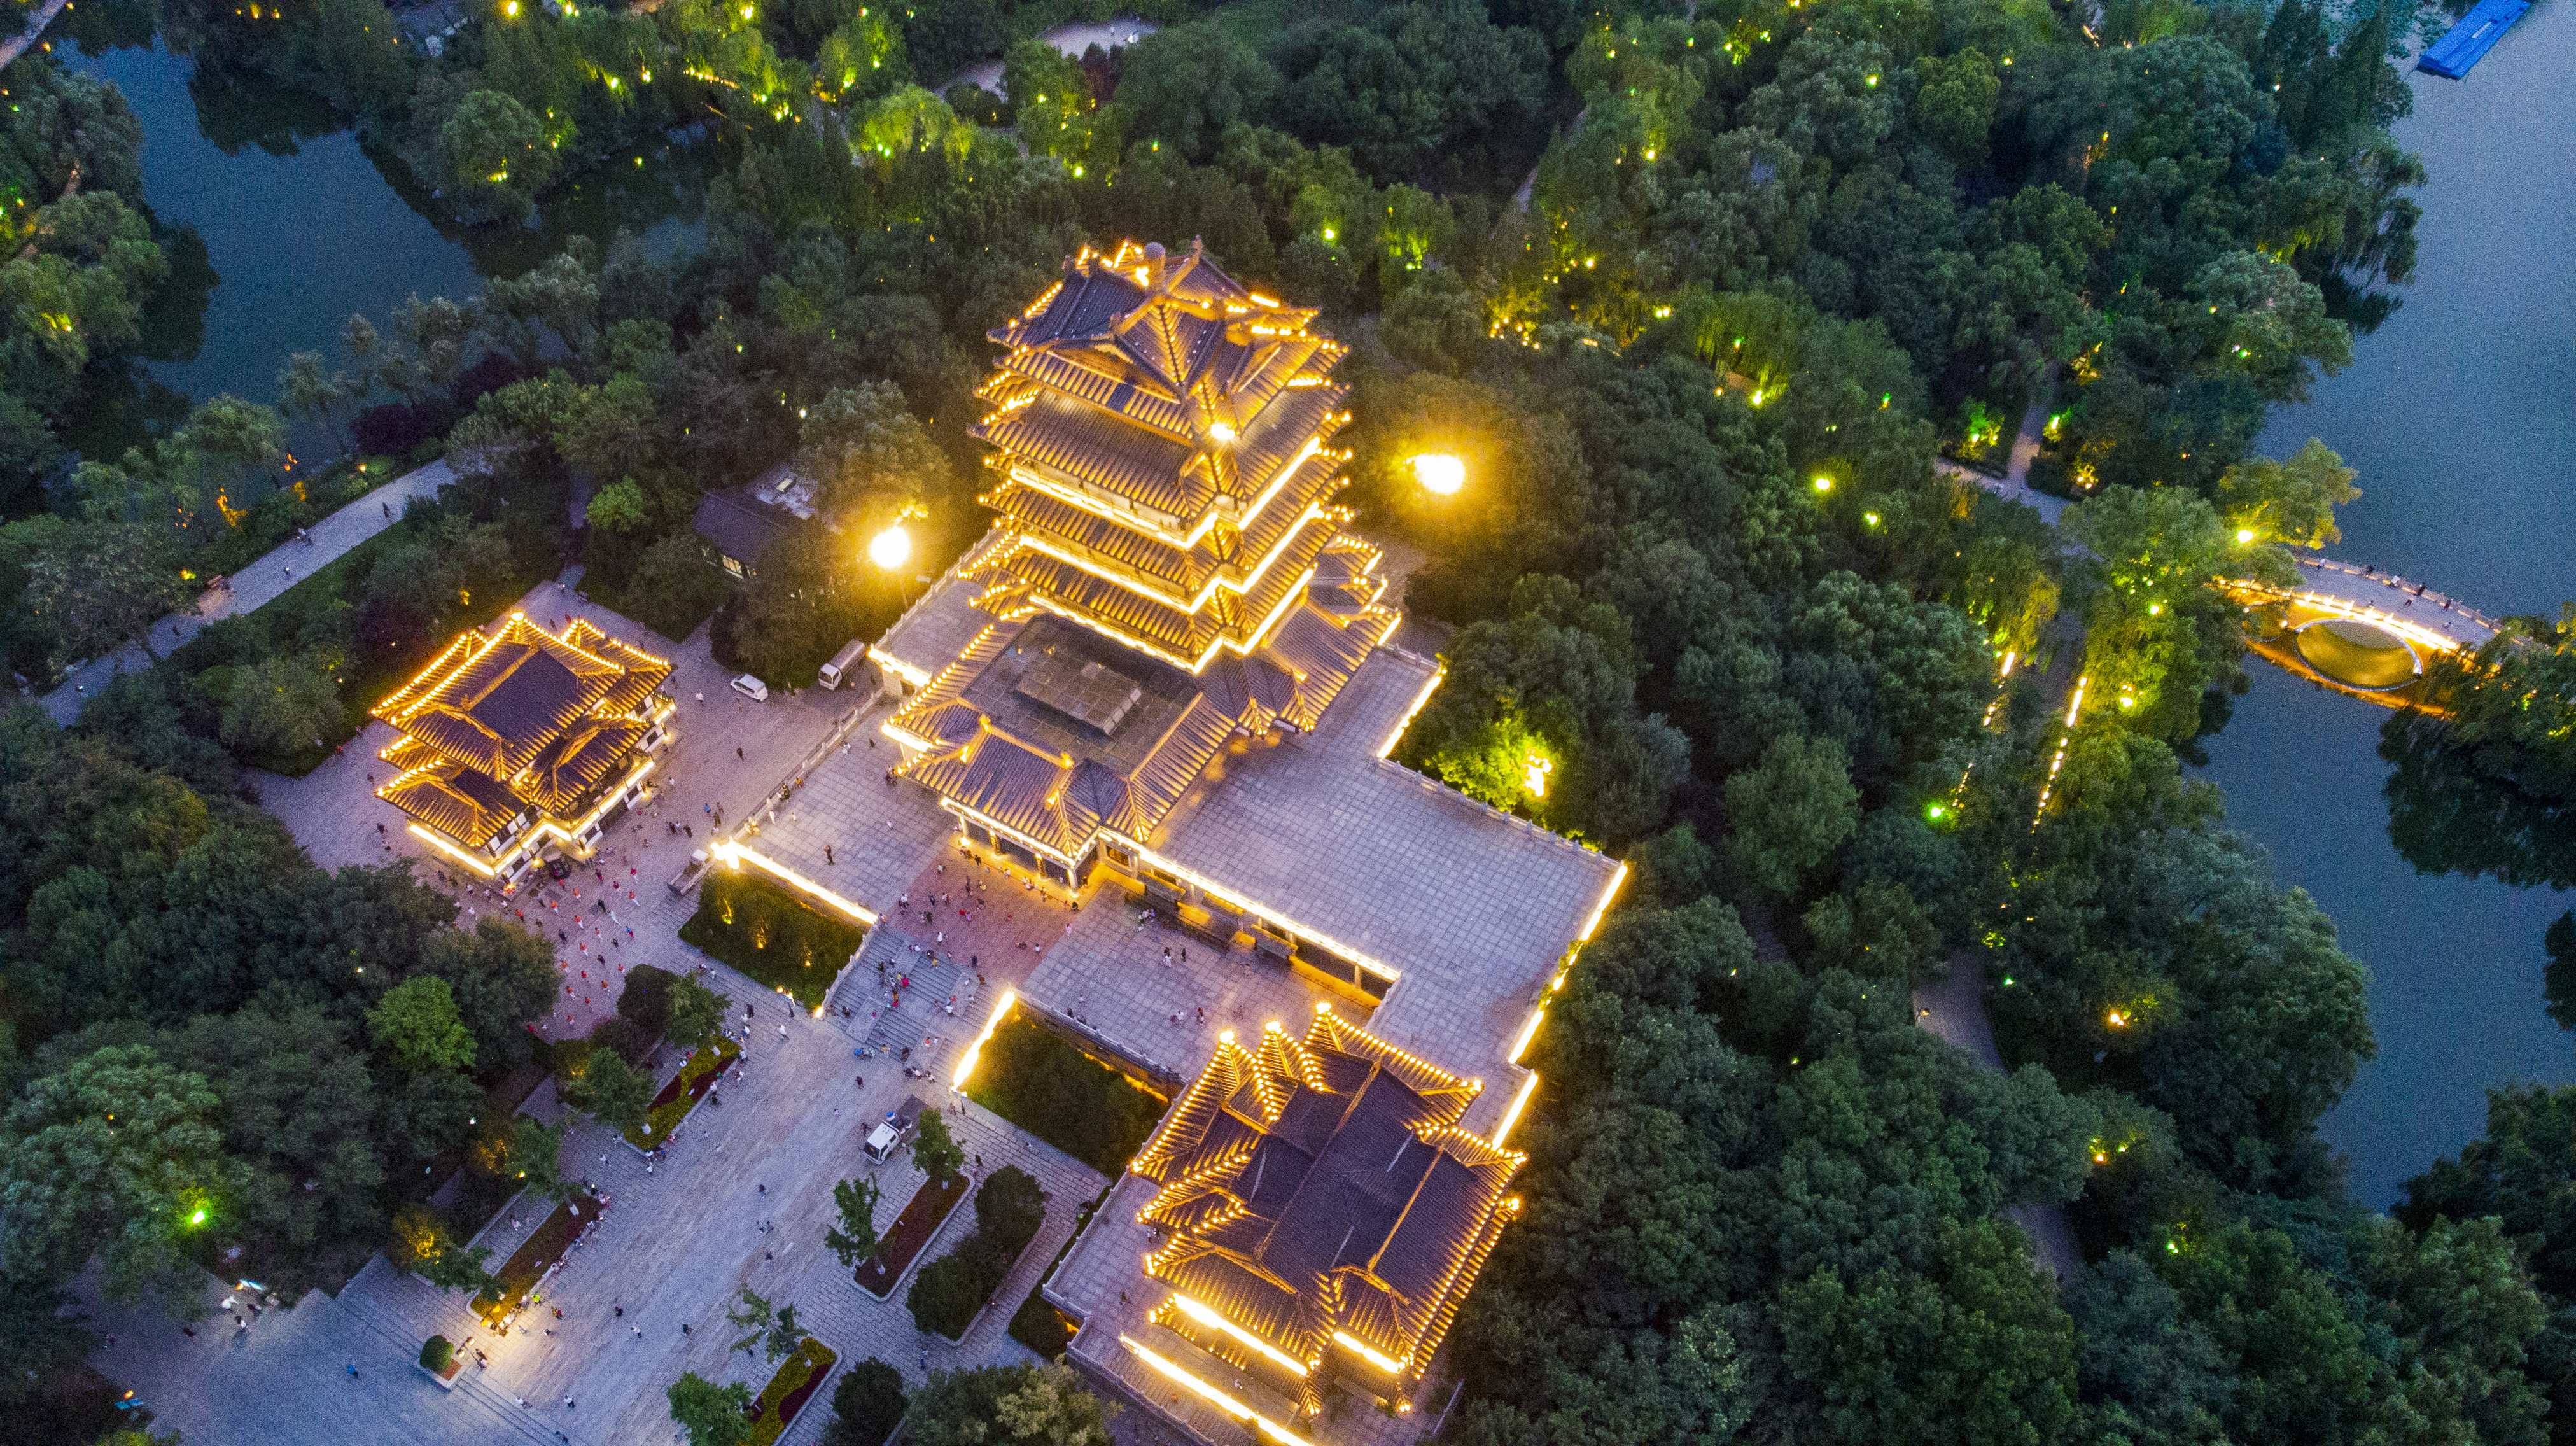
point(1215, 1397)
point(966, 1064)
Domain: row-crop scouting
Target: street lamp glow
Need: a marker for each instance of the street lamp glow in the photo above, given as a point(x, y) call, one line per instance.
point(889, 549)
point(1440, 473)
point(1824, 484)
point(2245, 534)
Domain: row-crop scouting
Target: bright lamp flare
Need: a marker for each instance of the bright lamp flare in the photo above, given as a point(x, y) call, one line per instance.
point(1441, 473)
point(2245, 534)
point(890, 547)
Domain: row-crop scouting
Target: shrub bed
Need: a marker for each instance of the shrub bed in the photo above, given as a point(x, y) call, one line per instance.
point(1038, 1081)
point(911, 1234)
point(1040, 1326)
point(767, 933)
point(527, 1264)
point(682, 1094)
point(949, 1291)
point(867, 1405)
point(799, 1376)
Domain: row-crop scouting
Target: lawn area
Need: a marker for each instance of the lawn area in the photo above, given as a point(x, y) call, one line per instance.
point(769, 934)
point(799, 1376)
point(911, 1235)
point(1038, 1081)
point(527, 1264)
point(682, 1094)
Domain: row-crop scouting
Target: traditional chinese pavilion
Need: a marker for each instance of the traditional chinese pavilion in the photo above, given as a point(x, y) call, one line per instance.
point(1169, 573)
point(1323, 1214)
point(518, 738)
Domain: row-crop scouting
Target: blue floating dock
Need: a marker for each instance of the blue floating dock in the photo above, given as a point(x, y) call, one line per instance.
point(2471, 39)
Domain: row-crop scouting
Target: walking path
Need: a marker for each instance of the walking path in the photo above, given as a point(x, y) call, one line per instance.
point(259, 583)
point(1954, 1007)
point(16, 46)
point(2412, 609)
point(2014, 485)
point(1073, 40)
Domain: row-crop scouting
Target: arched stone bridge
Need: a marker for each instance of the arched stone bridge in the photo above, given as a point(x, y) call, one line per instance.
point(2364, 631)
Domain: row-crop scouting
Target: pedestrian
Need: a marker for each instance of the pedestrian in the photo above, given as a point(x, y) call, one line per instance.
point(353, 1368)
point(389, 508)
point(737, 752)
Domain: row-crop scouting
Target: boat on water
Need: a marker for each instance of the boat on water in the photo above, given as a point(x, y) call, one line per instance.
point(2471, 39)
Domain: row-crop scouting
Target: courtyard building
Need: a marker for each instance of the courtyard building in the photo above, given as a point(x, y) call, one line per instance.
point(1164, 684)
point(517, 742)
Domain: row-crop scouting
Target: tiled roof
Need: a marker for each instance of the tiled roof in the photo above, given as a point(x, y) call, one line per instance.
point(1160, 380)
point(1320, 1186)
point(545, 717)
point(1227, 549)
point(1183, 635)
point(455, 800)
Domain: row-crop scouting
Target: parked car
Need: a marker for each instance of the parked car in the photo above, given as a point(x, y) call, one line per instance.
point(752, 688)
point(894, 1129)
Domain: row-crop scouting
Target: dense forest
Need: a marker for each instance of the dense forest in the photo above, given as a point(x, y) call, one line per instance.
point(1713, 328)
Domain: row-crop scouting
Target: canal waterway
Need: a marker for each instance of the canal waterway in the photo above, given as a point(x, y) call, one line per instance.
point(2457, 413)
point(303, 227)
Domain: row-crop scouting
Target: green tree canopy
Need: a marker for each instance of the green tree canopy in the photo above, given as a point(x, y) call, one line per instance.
point(712, 1415)
point(117, 1155)
point(1007, 1406)
point(417, 1022)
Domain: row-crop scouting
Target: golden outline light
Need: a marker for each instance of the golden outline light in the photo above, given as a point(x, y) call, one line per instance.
point(1137, 580)
point(1263, 911)
point(966, 1062)
point(1431, 685)
point(735, 852)
point(1215, 1397)
point(1376, 1357)
point(1529, 1031)
point(1207, 1316)
point(1512, 1116)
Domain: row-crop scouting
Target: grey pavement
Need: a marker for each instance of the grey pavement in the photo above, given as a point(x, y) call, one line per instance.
point(259, 583)
point(1954, 1007)
point(672, 1250)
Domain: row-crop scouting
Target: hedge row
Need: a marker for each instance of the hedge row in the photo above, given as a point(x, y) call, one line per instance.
point(948, 1291)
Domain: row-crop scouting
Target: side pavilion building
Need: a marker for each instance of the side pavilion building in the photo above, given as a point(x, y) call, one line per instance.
point(515, 740)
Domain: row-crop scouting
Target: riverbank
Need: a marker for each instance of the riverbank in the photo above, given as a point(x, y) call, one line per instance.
point(2455, 963)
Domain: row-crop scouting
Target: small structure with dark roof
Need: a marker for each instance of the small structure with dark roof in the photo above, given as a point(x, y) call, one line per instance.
point(734, 534)
point(519, 737)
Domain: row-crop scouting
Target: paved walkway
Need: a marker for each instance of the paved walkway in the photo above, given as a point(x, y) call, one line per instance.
point(2014, 485)
point(258, 583)
point(1073, 40)
point(1954, 1007)
point(743, 1198)
point(2374, 596)
point(16, 45)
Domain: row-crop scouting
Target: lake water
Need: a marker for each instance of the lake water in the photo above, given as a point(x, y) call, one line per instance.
point(2457, 413)
point(303, 227)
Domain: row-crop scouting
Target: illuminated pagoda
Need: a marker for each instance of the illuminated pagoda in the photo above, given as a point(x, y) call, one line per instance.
point(517, 738)
point(1169, 573)
point(1323, 1214)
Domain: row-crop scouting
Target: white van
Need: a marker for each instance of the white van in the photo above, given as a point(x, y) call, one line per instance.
point(894, 1129)
point(752, 688)
point(844, 662)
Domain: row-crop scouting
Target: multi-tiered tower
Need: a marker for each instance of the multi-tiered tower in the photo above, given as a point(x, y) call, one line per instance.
point(1169, 571)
